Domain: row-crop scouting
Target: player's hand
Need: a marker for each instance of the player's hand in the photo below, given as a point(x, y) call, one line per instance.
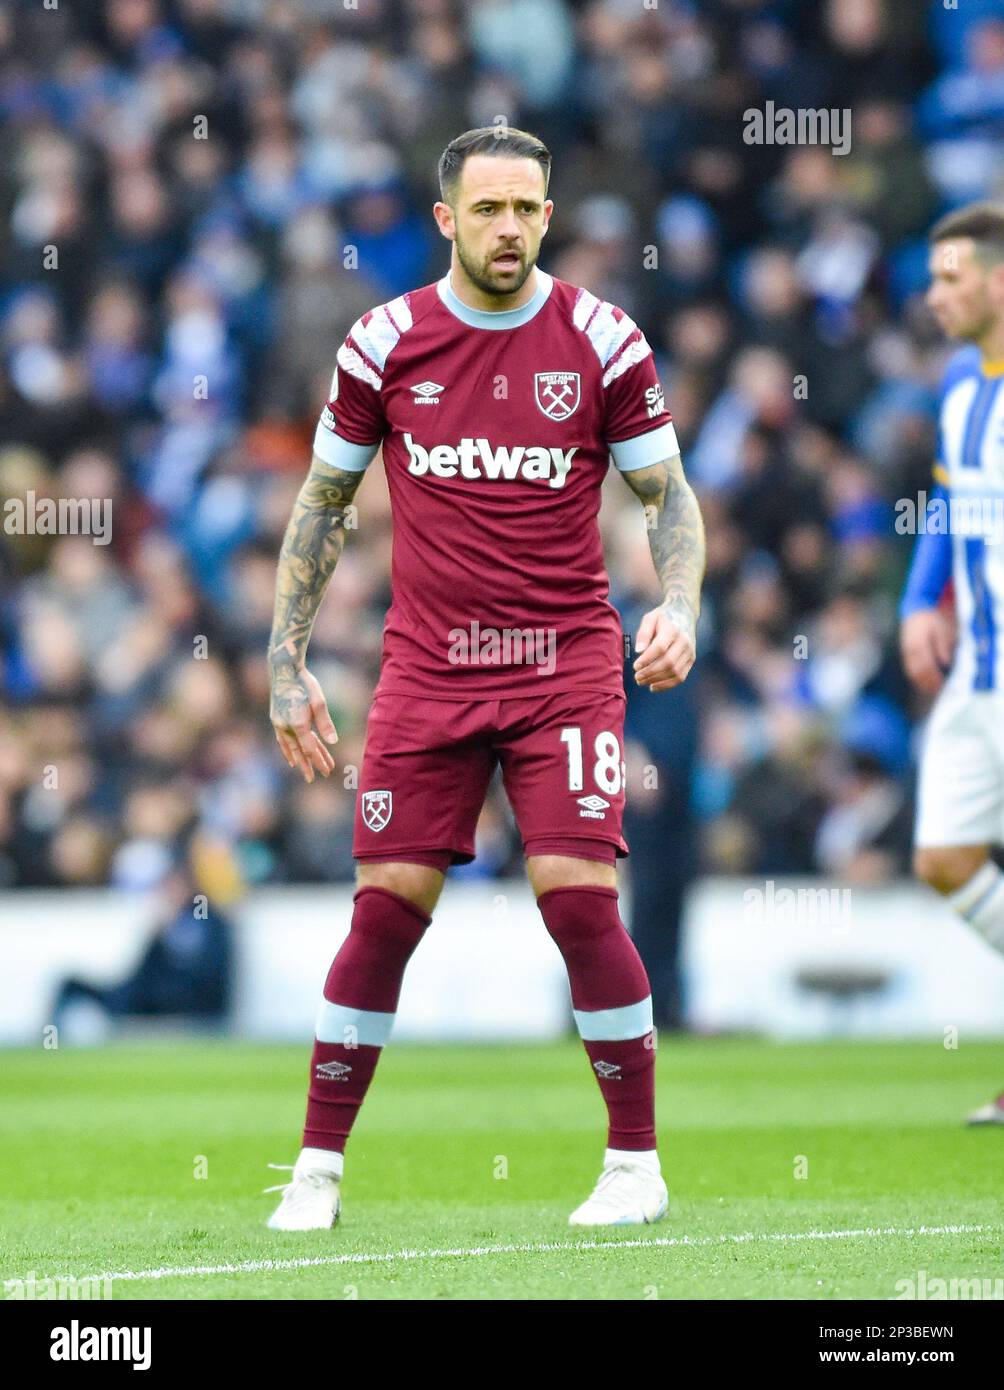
point(668, 648)
point(301, 720)
point(927, 641)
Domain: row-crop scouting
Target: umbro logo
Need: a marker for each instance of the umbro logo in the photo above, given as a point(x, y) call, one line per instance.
point(426, 393)
point(332, 1071)
point(610, 1071)
point(594, 807)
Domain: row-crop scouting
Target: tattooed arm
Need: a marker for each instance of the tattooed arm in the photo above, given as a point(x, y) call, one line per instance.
point(310, 549)
point(667, 635)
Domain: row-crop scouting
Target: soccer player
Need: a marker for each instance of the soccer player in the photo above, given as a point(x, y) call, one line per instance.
point(497, 396)
point(960, 815)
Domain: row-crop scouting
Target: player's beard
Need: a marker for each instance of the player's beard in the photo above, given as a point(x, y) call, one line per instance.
point(977, 328)
point(485, 278)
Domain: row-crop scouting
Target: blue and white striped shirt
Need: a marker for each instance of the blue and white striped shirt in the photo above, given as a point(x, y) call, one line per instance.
point(970, 472)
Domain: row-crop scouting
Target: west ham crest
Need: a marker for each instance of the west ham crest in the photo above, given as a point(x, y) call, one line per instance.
point(557, 393)
point(377, 808)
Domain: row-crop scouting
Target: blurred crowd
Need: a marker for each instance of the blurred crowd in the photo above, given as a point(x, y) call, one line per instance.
point(198, 199)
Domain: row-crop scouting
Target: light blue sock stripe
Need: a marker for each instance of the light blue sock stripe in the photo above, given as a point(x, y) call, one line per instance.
point(337, 1023)
point(615, 1025)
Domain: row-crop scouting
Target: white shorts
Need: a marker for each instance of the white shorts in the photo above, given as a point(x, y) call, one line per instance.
point(960, 789)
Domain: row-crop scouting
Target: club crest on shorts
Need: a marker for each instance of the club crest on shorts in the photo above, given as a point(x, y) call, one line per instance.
point(557, 393)
point(377, 809)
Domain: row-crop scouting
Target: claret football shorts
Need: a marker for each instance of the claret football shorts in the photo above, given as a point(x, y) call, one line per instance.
point(427, 765)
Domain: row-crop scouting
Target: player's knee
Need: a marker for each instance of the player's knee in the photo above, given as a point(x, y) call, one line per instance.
point(947, 869)
point(547, 871)
point(418, 883)
point(927, 866)
point(604, 967)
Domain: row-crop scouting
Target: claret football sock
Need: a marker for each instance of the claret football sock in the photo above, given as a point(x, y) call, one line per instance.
point(356, 1014)
point(980, 902)
point(612, 1003)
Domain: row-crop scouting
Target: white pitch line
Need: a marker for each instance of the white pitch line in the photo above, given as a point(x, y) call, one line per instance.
point(533, 1248)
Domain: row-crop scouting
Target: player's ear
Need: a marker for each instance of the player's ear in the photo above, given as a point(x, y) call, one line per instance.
point(548, 209)
point(996, 282)
point(445, 220)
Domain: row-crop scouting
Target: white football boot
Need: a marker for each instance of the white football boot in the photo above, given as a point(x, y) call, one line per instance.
point(627, 1194)
point(311, 1200)
point(990, 1114)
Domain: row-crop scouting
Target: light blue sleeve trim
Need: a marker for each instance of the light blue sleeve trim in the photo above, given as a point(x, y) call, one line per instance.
point(645, 449)
point(337, 452)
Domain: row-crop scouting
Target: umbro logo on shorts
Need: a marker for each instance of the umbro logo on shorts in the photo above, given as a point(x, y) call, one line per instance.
point(475, 458)
point(332, 1071)
point(594, 807)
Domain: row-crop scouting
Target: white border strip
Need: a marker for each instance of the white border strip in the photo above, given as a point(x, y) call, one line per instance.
point(538, 1248)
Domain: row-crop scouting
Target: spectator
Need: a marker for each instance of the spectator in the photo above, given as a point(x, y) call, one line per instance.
point(183, 973)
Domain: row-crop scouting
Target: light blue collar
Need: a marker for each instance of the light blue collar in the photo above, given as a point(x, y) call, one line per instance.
point(496, 318)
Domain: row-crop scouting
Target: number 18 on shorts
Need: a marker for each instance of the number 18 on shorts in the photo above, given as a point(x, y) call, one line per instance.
point(428, 763)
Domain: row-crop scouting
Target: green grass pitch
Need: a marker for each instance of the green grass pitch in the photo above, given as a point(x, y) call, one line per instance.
point(466, 1161)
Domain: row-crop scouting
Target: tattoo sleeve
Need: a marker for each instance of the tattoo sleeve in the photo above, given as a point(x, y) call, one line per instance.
point(675, 536)
point(311, 546)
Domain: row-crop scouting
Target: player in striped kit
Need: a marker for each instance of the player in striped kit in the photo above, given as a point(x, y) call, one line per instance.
point(958, 655)
point(498, 396)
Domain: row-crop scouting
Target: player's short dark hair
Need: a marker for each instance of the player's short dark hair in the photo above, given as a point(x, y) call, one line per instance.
point(489, 139)
point(983, 222)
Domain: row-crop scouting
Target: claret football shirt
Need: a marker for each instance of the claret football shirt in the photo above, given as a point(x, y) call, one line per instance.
point(497, 430)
